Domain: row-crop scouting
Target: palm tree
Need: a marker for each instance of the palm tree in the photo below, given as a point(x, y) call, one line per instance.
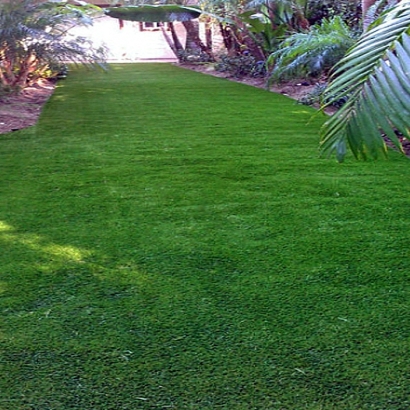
point(312, 53)
point(34, 38)
point(374, 75)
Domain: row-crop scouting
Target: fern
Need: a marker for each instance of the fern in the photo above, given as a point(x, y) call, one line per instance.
point(313, 53)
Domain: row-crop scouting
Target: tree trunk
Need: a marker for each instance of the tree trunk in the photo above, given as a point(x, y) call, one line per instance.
point(193, 41)
point(7, 74)
point(168, 39)
point(27, 65)
point(208, 34)
point(230, 40)
point(250, 42)
point(173, 40)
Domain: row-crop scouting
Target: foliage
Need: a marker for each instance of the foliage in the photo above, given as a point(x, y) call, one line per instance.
point(375, 76)
point(348, 10)
point(290, 13)
point(375, 10)
point(154, 13)
point(194, 56)
point(260, 28)
point(316, 97)
point(258, 25)
point(171, 240)
point(34, 38)
point(312, 53)
point(241, 65)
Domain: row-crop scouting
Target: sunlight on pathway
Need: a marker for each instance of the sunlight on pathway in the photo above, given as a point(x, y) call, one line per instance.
point(128, 44)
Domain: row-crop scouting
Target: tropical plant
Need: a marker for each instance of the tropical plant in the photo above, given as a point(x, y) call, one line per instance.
point(291, 13)
point(257, 25)
point(244, 65)
point(266, 35)
point(348, 10)
point(366, 5)
point(371, 9)
point(375, 76)
point(34, 39)
point(312, 53)
point(154, 12)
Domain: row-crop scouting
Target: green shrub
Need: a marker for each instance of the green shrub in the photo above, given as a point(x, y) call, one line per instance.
point(241, 66)
point(313, 53)
point(349, 11)
point(316, 96)
point(193, 56)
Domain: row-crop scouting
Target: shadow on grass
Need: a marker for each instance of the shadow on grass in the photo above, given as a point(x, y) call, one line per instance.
point(84, 332)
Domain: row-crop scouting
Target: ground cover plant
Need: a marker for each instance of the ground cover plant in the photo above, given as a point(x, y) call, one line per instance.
point(172, 240)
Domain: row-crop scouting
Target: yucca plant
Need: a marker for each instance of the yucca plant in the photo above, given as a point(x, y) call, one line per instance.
point(375, 76)
point(312, 53)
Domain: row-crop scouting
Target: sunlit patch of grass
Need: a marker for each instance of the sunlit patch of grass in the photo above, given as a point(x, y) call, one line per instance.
point(172, 240)
point(4, 226)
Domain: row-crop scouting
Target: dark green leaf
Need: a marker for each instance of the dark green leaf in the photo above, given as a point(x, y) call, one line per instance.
point(154, 13)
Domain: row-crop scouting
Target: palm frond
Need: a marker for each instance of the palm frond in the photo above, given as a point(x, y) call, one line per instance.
point(306, 54)
point(375, 76)
point(154, 13)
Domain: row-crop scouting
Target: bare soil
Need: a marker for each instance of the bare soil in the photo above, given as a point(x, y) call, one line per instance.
point(22, 110)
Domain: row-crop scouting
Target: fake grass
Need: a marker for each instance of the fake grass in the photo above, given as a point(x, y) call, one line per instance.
point(171, 240)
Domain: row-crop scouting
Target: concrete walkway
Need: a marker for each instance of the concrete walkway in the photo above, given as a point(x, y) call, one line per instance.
point(128, 44)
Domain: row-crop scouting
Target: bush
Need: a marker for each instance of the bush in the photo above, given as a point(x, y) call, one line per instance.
point(193, 56)
point(244, 65)
point(313, 53)
point(349, 11)
point(316, 97)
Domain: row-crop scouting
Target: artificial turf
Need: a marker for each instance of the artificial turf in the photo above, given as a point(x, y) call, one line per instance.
point(173, 240)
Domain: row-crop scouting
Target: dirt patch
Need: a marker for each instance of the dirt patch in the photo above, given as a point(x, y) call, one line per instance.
point(22, 110)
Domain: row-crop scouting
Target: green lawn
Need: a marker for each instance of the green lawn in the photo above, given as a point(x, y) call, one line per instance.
point(172, 240)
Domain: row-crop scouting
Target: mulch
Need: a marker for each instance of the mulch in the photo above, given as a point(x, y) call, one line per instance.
point(18, 111)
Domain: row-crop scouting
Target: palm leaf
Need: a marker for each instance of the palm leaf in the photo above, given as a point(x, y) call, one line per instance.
point(154, 13)
point(375, 76)
point(308, 54)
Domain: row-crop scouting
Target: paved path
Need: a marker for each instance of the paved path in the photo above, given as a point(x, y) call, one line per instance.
point(128, 43)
